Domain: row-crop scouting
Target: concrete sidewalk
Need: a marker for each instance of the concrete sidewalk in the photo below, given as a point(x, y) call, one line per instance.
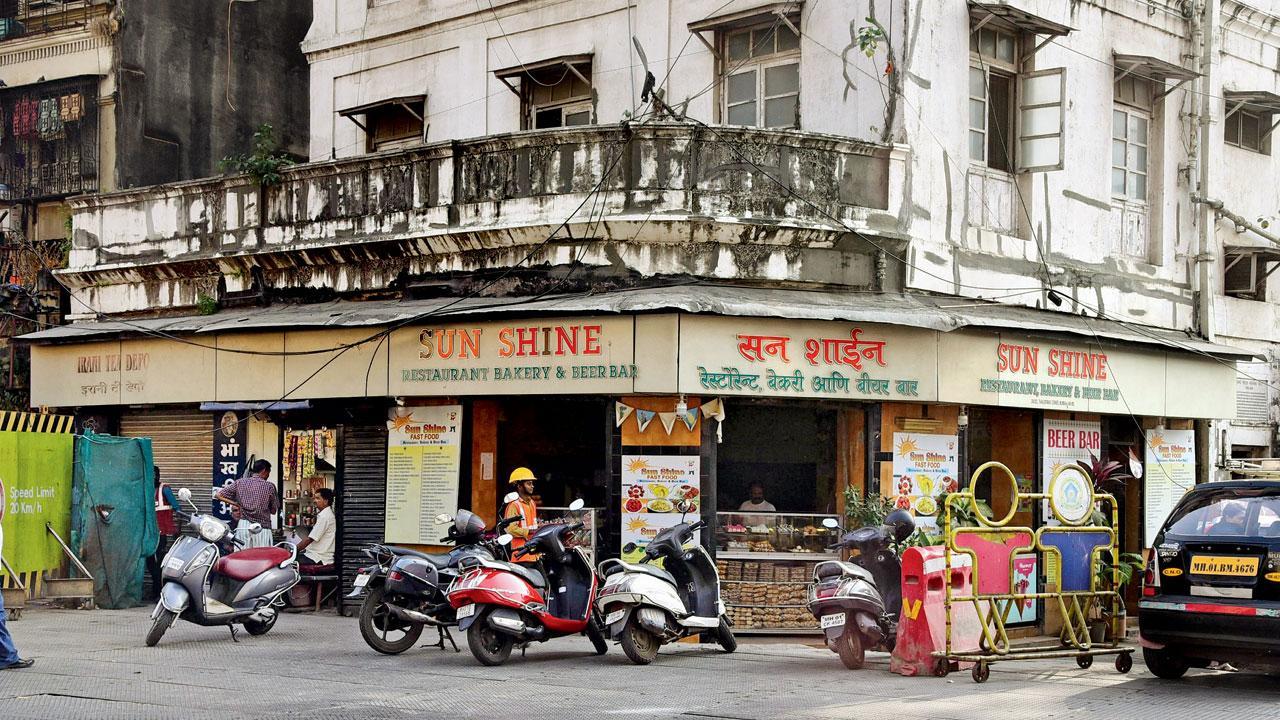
point(93, 664)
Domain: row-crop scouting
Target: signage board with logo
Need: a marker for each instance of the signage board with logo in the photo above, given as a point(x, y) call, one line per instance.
point(924, 467)
point(658, 491)
point(1064, 443)
point(424, 463)
point(1170, 473)
point(230, 450)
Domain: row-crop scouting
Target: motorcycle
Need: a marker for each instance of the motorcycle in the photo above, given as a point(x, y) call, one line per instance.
point(503, 604)
point(857, 603)
point(647, 607)
point(404, 590)
point(207, 581)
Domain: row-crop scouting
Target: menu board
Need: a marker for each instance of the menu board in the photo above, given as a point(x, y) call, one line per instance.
point(1170, 473)
point(658, 492)
point(1065, 442)
point(924, 466)
point(424, 460)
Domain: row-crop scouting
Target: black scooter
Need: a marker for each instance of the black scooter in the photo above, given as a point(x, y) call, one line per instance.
point(404, 590)
point(857, 603)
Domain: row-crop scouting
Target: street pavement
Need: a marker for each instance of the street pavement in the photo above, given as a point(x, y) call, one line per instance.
point(93, 664)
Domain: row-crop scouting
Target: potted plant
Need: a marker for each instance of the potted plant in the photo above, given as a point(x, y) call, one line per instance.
point(1104, 625)
point(1109, 477)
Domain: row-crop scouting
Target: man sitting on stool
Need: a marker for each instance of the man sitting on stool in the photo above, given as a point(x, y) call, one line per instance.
point(317, 549)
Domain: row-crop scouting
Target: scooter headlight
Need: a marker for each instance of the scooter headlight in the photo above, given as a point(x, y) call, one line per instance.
point(211, 529)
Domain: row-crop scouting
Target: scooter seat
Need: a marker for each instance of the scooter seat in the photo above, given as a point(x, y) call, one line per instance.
point(440, 560)
point(531, 575)
point(250, 563)
point(643, 569)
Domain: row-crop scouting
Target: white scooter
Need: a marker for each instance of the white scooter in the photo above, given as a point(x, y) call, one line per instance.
point(646, 607)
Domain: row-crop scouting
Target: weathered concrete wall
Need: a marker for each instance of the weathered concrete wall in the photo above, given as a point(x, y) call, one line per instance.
point(193, 89)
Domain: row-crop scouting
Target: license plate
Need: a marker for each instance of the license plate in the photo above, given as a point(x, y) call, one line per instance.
point(830, 621)
point(614, 616)
point(361, 581)
point(174, 563)
point(466, 611)
point(1224, 565)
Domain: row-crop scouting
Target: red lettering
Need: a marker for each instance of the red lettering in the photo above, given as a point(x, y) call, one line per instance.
point(1018, 358)
point(591, 343)
point(526, 341)
point(567, 340)
point(470, 346)
point(444, 345)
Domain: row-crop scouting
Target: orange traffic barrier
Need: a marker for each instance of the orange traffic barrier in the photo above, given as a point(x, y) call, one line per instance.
point(922, 623)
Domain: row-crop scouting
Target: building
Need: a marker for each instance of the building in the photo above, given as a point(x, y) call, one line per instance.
point(968, 231)
point(106, 95)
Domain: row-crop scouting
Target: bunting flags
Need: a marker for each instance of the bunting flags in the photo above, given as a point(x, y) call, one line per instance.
point(712, 410)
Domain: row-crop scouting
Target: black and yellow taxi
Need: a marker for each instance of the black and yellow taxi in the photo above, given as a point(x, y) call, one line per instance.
point(1212, 590)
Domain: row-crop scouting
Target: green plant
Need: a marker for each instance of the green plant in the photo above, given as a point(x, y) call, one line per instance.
point(869, 37)
point(865, 510)
point(1127, 566)
point(206, 305)
point(1108, 475)
point(264, 163)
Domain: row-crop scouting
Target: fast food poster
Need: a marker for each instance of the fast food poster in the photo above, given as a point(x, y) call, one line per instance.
point(424, 461)
point(1170, 473)
point(657, 491)
point(924, 466)
point(1065, 442)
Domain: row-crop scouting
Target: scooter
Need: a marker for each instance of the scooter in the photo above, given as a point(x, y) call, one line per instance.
point(857, 603)
point(206, 587)
point(404, 590)
point(646, 606)
point(503, 604)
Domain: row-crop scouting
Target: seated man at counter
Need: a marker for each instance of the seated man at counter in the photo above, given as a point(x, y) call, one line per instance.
point(757, 502)
point(317, 548)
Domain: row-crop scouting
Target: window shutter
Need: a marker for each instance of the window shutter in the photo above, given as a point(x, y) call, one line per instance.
point(1041, 119)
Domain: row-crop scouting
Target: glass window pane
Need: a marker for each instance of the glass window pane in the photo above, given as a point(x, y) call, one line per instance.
point(1137, 186)
point(977, 114)
point(744, 114)
point(739, 46)
point(1117, 153)
point(762, 42)
point(742, 86)
point(1137, 129)
point(1004, 48)
point(1138, 158)
point(1117, 181)
point(782, 79)
point(1119, 122)
point(987, 44)
point(977, 146)
point(1231, 130)
point(1250, 135)
point(780, 112)
point(552, 118)
point(578, 118)
point(977, 83)
point(787, 40)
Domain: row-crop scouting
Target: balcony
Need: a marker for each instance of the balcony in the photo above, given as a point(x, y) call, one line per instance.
point(22, 18)
point(654, 200)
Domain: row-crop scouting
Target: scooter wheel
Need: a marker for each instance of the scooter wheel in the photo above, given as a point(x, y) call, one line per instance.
point(981, 672)
point(724, 636)
point(164, 620)
point(596, 636)
point(256, 627)
point(487, 645)
point(639, 645)
point(381, 630)
point(849, 648)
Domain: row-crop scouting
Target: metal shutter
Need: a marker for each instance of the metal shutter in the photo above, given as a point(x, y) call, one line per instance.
point(362, 506)
point(182, 443)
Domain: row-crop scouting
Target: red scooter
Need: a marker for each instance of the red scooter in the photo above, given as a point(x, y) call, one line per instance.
point(503, 604)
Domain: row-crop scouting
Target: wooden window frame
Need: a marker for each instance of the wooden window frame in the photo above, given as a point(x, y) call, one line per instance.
point(759, 64)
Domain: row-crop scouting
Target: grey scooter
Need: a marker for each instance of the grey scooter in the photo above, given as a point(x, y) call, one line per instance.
point(204, 587)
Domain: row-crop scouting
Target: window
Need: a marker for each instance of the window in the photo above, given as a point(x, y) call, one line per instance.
point(393, 126)
point(762, 77)
point(991, 98)
point(1245, 274)
point(1248, 131)
point(557, 96)
point(1130, 121)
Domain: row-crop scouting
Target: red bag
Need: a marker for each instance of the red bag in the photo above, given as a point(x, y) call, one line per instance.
point(164, 514)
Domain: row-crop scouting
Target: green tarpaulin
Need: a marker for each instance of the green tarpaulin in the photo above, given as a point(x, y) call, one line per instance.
point(36, 468)
point(113, 519)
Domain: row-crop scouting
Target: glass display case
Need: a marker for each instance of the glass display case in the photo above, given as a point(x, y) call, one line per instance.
point(766, 563)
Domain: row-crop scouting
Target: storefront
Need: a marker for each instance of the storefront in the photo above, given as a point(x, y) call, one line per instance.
point(653, 417)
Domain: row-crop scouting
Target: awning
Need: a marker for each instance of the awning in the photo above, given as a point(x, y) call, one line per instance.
point(766, 12)
point(1154, 69)
point(1012, 19)
point(571, 63)
point(414, 104)
point(931, 312)
point(1255, 100)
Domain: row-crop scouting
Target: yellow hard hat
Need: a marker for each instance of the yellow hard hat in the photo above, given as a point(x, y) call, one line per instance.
point(520, 474)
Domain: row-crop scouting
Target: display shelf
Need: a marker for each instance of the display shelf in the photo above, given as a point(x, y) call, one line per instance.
point(779, 556)
point(815, 630)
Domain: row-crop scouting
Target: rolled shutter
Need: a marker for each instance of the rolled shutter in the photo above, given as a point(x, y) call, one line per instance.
point(182, 443)
point(362, 505)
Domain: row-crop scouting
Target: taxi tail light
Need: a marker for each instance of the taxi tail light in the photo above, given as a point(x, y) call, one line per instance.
point(1150, 581)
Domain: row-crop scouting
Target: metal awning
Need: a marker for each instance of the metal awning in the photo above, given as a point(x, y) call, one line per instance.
point(571, 63)
point(1009, 18)
point(1154, 69)
point(941, 313)
point(766, 12)
point(1255, 100)
point(415, 104)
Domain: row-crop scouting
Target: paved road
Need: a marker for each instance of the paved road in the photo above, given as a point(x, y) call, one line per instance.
point(92, 664)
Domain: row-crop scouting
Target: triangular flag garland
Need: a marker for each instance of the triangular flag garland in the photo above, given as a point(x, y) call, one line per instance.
point(712, 409)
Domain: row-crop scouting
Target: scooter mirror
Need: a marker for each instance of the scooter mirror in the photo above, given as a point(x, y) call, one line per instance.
point(504, 539)
point(443, 518)
point(184, 494)
point(630, 548)
point(577, 505)
point(511, 497)
point(830, 523)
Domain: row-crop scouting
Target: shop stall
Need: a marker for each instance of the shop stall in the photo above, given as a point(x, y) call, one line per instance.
point(308, 462)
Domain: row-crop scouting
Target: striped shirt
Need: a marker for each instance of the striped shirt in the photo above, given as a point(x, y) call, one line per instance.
point(256, 497)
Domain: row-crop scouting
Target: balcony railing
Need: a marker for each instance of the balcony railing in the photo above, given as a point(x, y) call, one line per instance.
point(19, 18)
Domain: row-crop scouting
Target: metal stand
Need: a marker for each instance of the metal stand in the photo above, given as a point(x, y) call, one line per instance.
point(443, 633)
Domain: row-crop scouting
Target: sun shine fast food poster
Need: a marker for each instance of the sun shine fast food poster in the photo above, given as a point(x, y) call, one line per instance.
point(657, 490)
point(924, 466)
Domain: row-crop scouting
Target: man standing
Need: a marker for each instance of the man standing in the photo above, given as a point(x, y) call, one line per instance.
point(9, 659)
point(256, 500)
point(320, 541)
point(524, 507)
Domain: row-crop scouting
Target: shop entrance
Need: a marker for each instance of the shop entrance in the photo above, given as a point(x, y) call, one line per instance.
point(790, 451)
point(562, 440)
